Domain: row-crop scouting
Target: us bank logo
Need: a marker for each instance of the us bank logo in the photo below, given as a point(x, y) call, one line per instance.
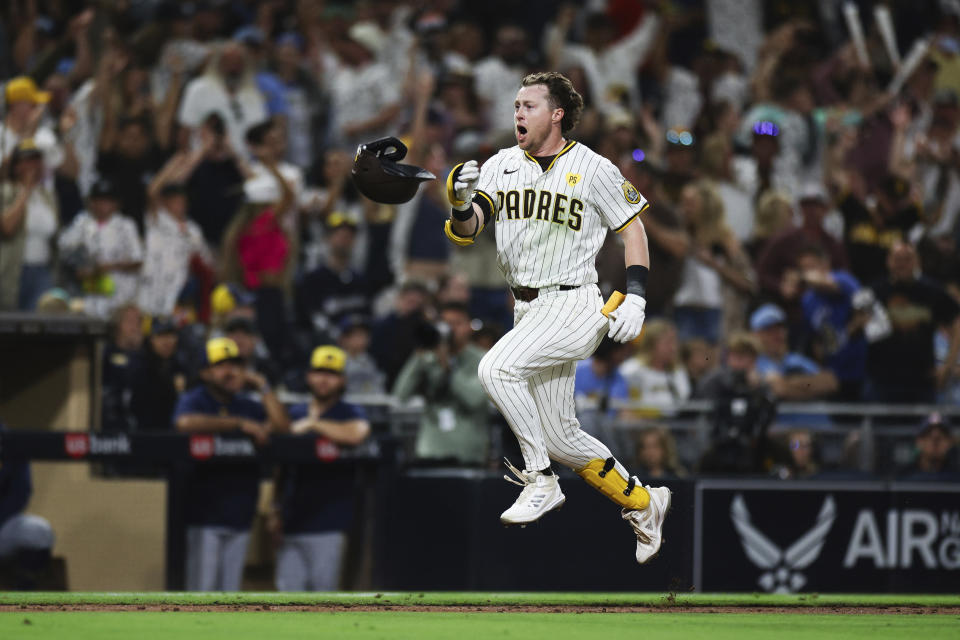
point(782, 568)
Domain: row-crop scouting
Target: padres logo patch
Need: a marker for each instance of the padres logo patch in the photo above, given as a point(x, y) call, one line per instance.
point(630, 192)
point(573, 179)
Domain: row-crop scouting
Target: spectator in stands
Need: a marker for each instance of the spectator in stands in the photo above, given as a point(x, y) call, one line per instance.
point(766, 168)
point(716, 258)
point(790, 375)
point(255, 43)
point(28, 223)
point(334, 290)
point(871, 231)
point(834, 335)
point(173, 241)
point(717, 162)
point(774, 214)
point(803, 462)
point(361, 372)
point(497, 77)
point(268, 146)
point(130, 163)
point(228, 88)
point(777, 263)
point(257, 358)
point(26, 540)
point(698, 359)
point(600, 381)
point(307, 105)
point(743, 409)
point(157, 379)
point(215, 186)
point(121, 358)
point(657, 454)
point(222, 497)
point(655, 376)
point(610, 63)
point(103, 248)
point(258, 250)
point(364, 94)
point(443, 370)
point(936, 456)
point(24, 110)
point(314, 503)
point(901, 364)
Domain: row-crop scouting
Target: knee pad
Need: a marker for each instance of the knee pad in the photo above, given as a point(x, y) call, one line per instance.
point(602, 476)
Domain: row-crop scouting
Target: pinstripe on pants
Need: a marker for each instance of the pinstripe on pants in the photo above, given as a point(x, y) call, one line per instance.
point(529, 375)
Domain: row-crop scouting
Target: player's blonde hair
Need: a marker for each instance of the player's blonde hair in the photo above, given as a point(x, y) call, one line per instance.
point(562, 96)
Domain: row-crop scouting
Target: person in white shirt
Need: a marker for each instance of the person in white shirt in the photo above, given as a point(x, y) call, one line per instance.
point(268, 147)
point(104, 248)
point(228, 88)
point(25, 106)
point(28, 220)
point(172, 242)
point(365, 94)
point(655, 377)
point(610, 65)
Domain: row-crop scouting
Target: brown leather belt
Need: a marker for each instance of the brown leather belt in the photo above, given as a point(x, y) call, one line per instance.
point(529, 294)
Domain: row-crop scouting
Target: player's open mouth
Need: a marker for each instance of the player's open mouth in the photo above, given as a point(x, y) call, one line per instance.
point(521, 130)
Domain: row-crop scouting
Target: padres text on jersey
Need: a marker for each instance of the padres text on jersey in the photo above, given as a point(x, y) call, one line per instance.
point(550, 224)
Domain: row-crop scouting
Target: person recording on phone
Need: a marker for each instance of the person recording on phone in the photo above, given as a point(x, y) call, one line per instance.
point(443, 370)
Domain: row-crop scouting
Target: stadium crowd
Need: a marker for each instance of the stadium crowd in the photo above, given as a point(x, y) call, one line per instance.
point(183, 169)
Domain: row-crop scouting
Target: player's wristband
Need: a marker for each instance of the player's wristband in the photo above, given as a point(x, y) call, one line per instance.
point(462, 214)
point(637, 279)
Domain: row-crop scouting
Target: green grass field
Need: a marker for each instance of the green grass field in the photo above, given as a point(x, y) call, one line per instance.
point(669, 621)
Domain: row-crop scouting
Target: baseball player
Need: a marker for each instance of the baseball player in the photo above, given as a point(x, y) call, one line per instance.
point(552, 201)
point(222, 496)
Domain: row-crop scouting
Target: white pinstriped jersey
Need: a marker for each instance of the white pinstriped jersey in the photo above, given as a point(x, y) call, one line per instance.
point(550, 224)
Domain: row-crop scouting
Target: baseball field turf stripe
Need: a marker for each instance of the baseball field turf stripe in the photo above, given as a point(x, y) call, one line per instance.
point(476, 598)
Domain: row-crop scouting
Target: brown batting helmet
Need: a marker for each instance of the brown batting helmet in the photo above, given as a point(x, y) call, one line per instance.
point(378, 175)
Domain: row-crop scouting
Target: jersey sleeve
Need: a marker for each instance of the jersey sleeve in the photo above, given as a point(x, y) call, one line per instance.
point(188, 403)
point(486, 196)
point(618, 202)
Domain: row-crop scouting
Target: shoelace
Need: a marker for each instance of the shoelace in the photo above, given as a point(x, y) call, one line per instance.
point(524, 481)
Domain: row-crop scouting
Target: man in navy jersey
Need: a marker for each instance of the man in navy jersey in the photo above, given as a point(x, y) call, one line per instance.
point(222, 496)
point(314, 506)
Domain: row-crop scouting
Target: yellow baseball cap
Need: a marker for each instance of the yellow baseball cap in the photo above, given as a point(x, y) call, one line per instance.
point(328, 358)
point(220, 349)
point(339, 219)
point(24, 89)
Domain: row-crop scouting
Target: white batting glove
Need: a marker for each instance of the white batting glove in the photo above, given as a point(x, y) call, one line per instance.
point(626, 321)
point(466, 184)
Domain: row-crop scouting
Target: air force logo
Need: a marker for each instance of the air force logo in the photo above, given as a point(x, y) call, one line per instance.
point(573, 179)
point(782, 567)
point(630, 192)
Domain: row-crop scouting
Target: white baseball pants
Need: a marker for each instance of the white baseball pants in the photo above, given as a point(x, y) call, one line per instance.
point(529, 375)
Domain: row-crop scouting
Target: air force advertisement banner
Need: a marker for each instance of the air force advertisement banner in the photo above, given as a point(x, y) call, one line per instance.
point(816, 537)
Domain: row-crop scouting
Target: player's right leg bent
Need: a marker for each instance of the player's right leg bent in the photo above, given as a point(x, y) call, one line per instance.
point(556, 328)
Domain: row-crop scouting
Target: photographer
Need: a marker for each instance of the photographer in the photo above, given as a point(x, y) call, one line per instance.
point(744, 407)
point(443, 370)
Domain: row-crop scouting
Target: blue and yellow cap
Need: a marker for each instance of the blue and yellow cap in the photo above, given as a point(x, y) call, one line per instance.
point(328, 358)
point(219, 350)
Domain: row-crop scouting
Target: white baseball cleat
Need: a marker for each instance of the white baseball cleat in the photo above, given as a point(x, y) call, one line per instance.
point(541, 494)
point(647, 523)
